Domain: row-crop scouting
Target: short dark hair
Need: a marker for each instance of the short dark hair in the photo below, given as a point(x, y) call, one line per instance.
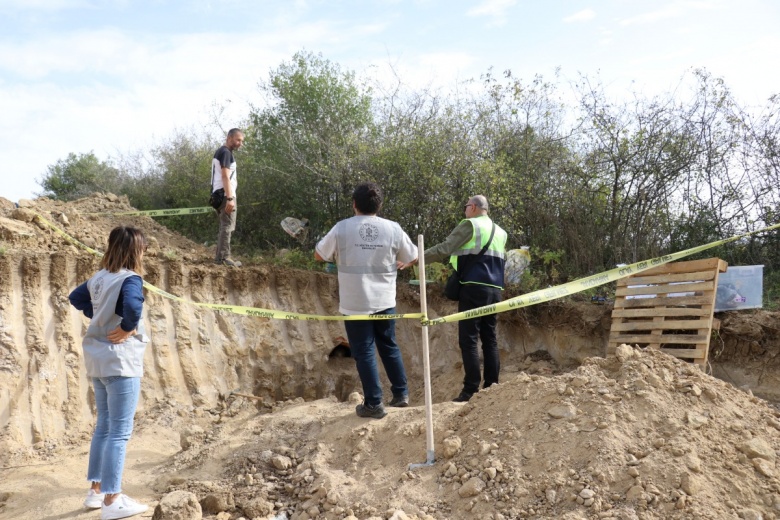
point(367, 197)
point(234, 131)
point(125, 250)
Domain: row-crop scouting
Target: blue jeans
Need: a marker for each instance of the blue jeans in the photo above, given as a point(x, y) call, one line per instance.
point(362, 336)
point(115, 398)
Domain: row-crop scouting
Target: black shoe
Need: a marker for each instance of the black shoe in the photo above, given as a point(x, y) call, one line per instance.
point(372, 412)
point(463, 397)
point(399, 401)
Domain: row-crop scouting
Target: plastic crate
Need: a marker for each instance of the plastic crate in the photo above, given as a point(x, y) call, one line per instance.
point(740, 287)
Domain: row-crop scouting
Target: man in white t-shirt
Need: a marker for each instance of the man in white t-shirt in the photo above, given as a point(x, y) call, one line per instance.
point(223, 177)
point(368, 251)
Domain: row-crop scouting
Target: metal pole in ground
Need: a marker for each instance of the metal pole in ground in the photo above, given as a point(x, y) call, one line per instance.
point(426, 359)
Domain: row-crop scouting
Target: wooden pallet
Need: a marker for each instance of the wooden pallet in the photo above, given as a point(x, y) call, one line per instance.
point(669, 307)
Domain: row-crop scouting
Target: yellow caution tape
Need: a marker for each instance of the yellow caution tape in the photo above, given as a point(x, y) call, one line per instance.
point(238, 309)
point(67, 236)
point(164, 212)
point(280, 315)
point(159, 212)
point(525, 300)
point(582, 284)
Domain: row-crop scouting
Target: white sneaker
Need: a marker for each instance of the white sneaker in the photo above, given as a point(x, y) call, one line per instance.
point(94, 500)
point(122, 507)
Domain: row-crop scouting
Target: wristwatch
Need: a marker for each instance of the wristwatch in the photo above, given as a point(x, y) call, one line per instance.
point(230, 198)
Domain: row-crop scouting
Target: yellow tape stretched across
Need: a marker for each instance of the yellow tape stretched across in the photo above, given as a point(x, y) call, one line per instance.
point(583, 284)
point(159, 212)
point(164, 212)
point(279, 315)
point(525, 300)
point(239, 309)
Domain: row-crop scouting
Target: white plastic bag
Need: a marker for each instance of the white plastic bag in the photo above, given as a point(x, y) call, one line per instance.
point(517, 261)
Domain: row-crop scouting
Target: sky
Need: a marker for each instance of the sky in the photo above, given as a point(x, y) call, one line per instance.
point(116, 76)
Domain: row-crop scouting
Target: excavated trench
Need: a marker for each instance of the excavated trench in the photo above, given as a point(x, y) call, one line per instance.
point(198, 356)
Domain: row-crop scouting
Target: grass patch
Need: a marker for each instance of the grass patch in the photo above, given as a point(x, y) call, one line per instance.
point(772, 291)
point(297, 259)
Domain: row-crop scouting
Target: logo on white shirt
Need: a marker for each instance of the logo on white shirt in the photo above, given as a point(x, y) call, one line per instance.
point(369, 232)
point(97, 289)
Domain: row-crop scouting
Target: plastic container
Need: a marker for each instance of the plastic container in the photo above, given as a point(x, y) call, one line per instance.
point(740, 287)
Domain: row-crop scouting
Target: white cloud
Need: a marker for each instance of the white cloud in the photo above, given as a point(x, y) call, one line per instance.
point(72, 53)
point(446, 63)
point(581, 16)
point(673, 10)
point(605, 37)
point(438, 70)
point(107, 89)
point(653, 16)
point(110, 91)
point(42, 5)
point(495, 8)
point(182, 60)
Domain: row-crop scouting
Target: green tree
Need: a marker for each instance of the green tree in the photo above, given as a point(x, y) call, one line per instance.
point(305, 149)
point(423, 160)
point(79, 175)
point(529, 168)
point(173, 174)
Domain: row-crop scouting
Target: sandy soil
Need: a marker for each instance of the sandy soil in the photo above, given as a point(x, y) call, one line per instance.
point(567, 434)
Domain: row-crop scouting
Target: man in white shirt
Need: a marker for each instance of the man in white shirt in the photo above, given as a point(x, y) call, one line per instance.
point(223, 177)
point(368, 250)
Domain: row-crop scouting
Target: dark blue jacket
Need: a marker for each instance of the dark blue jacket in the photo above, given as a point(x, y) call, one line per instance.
point(129, 305)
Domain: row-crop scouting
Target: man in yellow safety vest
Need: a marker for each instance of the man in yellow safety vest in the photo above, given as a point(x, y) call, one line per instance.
point(479, 260)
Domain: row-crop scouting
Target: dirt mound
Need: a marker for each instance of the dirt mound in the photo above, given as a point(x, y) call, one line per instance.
point(567, 434)
point(88, 220)
point(639, 436)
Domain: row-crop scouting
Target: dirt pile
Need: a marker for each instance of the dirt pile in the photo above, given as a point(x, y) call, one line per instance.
point(88, 220)
point(567, 434)
point(639, 436)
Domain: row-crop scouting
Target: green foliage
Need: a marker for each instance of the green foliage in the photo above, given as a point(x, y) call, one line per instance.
point(772, 290)
point(550, 264)
point(587, 185)
point(170, 254)
point(3, 248)
point(434, 272)
point(298, 259)
point(175, 174)
point(530, 282)
point(79, 175)
point(305, 150)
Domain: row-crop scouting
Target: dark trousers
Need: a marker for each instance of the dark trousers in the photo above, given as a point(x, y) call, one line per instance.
point(473, 329)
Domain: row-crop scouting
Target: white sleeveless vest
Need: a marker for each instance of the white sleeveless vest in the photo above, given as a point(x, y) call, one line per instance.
point(103, 358)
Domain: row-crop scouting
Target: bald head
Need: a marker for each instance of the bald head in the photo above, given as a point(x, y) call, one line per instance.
point(480, 202)
point(476, 206)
